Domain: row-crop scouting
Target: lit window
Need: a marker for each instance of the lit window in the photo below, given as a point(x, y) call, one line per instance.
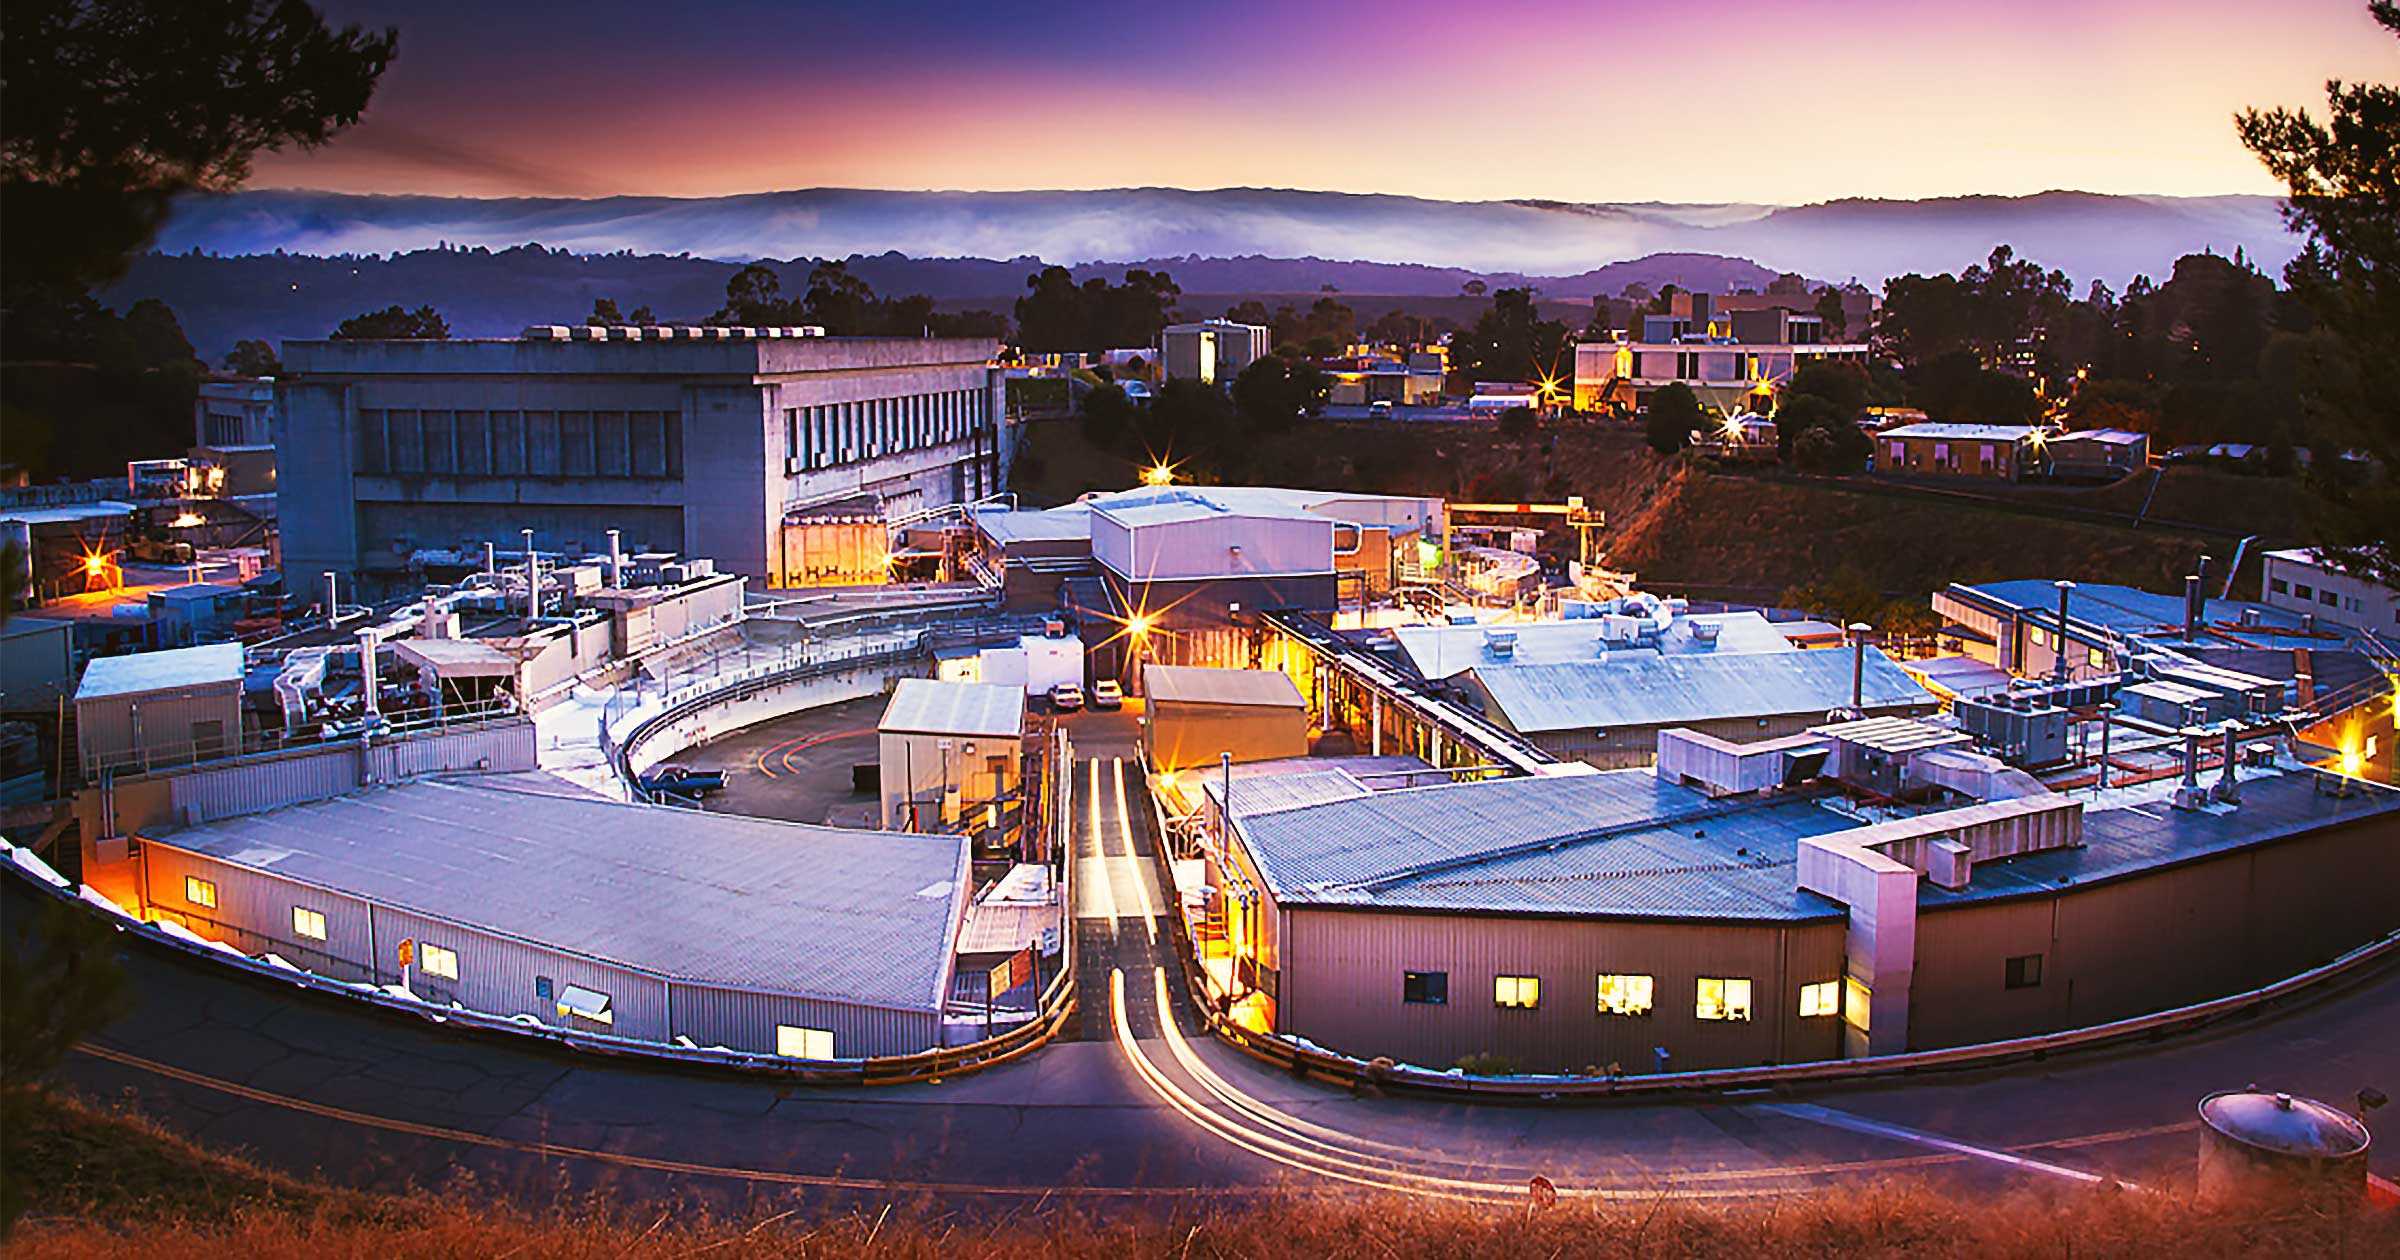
point(1857, 999)
point(1625, 995)
point(803, 1043)
point(441, 962)
point(199, 892)
point(2025, 971)
point(585, 1003)
point(307, 924)
point(1425, 988)
point(1724, 999)
point(2095, 659)
point(1821, 999)
point(1519, 991)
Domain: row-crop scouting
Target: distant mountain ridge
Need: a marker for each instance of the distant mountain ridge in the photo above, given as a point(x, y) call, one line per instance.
point(2088, 235)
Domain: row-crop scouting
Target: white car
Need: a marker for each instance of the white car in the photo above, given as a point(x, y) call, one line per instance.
point(1380, 408)
point(1066, 697)
point(1106, 694)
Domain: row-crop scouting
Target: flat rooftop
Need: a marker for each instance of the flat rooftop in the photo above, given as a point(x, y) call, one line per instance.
point(170, 670)
point(1624, 844)
point(853, 916)
point(1646, 689)
point(1439, 652)
point(921, 706)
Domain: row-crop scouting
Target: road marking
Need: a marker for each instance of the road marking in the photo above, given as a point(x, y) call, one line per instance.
point(559, 1150)
point(1861, 1124)
point(1132, 859)
point(799, 743)
point(1097, 868)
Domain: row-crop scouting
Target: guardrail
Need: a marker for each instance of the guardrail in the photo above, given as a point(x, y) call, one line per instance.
point(1339, 1069)
point(1353, 1073)
point(740, 685)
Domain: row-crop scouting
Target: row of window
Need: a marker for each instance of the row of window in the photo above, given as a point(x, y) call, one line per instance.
point(440, 961)
point(520, 443)
point(839, 433)
point(1720, 998)
point(2327, 596)
point(2094, 657)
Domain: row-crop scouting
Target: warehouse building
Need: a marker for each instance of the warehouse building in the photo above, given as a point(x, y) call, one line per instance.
point(717, 442)
point(1196, 715)
point(947, 749)
point(1575, 923)
point(646, 922)
point(157, 709)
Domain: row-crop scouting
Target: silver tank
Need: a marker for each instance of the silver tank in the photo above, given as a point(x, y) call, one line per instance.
point(2257, 1145)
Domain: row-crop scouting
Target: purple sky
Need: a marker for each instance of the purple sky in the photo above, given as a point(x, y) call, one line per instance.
point(1792, 101)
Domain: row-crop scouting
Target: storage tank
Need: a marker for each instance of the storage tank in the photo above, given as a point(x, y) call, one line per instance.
point(2260, 1145)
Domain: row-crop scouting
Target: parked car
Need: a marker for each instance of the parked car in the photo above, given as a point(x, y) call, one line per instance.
point(1380, 408)
point(1066, 697)
point(683, 780)
point(1106, 694)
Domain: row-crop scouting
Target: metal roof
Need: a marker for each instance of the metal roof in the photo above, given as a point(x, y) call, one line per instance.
point(1445, 651)
point(1264, 794)
point(2127, 610)
point(1199, 684)
point(1893, 734)
point(211, 664)
point(1071, 523)
point(1640, 689)
point(858, 916)
point(2111, 437)
point(1615, 843)
point(921, 706)
point(67, 514)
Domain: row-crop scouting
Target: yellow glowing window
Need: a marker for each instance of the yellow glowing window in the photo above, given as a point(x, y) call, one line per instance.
point(2095, 659)
point(1821, 999)
point(803, 1043)
point(1518, 991)
point(199, 892)
point(440, 962)
point(307, 924)
point(1626, 995)
point(1723, 999)
point(1855, 999)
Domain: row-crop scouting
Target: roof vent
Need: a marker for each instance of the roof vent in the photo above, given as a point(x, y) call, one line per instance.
point(1500, 643)
point(1704, 633)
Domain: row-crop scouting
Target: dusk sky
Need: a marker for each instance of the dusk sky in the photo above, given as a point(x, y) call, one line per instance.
point(1752, 101)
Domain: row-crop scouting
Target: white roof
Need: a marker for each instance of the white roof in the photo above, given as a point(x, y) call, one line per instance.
point(1941, 429)
point(67, 514)
point(214, 664)
point(456, 658)
point(921, 706)
point(2114, 437)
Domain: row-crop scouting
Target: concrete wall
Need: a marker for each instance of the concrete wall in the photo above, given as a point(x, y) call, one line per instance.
point(1340, 987)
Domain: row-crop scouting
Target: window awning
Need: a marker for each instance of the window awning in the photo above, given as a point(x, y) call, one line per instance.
point(591, 1004)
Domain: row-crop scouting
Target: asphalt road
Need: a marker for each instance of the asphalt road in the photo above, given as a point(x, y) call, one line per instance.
point(389, 1100)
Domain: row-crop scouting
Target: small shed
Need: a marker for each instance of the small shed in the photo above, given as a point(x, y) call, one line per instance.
point(948, 748)
point(2100, 454)
point(160, 708)
point(1196, 714)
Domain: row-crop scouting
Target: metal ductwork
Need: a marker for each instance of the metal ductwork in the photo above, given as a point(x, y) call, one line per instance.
point(2229, 787)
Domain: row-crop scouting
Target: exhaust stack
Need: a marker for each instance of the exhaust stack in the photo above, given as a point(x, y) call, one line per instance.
point(2229, 787)
point(2191, 607)
point(1859, 631)
point(333, 602)
point(533, 581)
point(2059, 648)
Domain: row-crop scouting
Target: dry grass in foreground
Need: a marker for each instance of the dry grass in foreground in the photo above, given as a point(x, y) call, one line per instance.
point(104, 1184)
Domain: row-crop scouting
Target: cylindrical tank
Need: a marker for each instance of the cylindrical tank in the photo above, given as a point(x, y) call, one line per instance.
point(2260, 1145)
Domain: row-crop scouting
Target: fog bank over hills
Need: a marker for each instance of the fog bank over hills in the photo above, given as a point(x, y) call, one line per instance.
point(2088, 235)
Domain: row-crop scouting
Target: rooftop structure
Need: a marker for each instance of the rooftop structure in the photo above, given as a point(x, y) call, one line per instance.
point(1211, 351)
point(1446, 651)
point(1647, 690)
point(145, 673)
point(921, 706)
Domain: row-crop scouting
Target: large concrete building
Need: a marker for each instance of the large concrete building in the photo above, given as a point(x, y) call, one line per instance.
point(1731, 360)
point(716, 442)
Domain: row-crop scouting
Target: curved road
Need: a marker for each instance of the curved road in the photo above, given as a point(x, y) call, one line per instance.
point(1137, 1110)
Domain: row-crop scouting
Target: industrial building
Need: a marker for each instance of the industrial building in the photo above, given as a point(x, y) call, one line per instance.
point(156, 709)
point(1212, 351)
point(1631, 921)
point(2004, 452)
point(233, 435)
point(710, 441)
point(1196, 715)
point(533, 899)
point(1169, 572)
point(949, 749)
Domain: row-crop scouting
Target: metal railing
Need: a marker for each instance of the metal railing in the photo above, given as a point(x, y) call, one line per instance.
point(184, 754)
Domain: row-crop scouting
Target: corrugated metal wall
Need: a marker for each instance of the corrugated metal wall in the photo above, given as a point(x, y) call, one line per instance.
point(1342, 975)
point(743, 1020)
point(497, 974)
point(316, 773)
